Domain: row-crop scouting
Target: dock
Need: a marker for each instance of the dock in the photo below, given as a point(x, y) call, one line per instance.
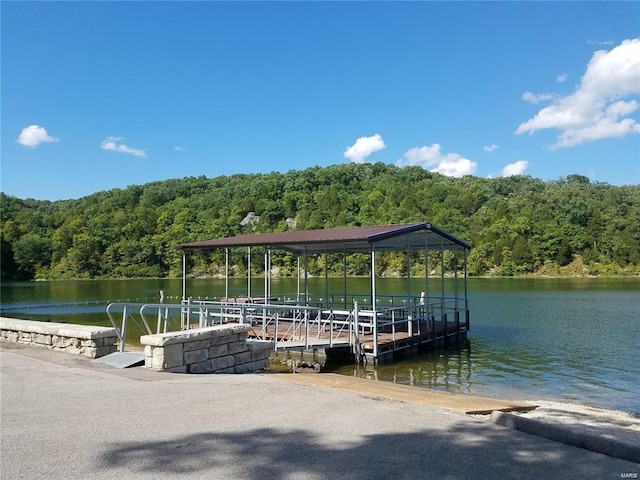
point(372, 327)
point(367, 335)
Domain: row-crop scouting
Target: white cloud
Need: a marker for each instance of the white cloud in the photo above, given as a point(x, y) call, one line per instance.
point(490, 148)
point(111, 143)
point(179, 149)
point(516, 168)
point(600, 43)
point(537, 97)
point(430, 157)
point(34, 135)
point(364, 147)
point(561, 78)
point(596, 109)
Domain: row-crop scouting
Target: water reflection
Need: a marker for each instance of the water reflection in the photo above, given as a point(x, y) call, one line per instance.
point(568, 339)
point(507, 370)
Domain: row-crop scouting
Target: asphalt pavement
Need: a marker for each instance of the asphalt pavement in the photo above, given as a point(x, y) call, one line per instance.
point(63, 417)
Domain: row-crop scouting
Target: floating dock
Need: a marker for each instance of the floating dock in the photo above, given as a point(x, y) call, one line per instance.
point(372, 328)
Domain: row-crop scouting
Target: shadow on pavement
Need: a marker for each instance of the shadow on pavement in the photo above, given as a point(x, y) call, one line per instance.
point(465, 451)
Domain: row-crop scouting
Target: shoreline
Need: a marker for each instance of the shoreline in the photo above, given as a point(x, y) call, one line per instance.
point(532, 275)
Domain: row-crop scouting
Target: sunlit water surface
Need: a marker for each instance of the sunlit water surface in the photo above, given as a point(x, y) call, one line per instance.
point(558, 339)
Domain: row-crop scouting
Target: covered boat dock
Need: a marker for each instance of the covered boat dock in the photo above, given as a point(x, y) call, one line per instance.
point(372, 327)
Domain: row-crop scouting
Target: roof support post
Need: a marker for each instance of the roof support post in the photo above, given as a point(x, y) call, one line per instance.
point(269, 283)
point(374, 318)
point(306, 278)
point(408, 271)
point(466, 296)
point(249, 272)
point(344, 274)
point(455, 283)
point(442, 273)
point(226, 274)
point(184, 275)
point(266, 276)
point(326, 278)
point(426, 269)
point(298, 291)
point(373, 280)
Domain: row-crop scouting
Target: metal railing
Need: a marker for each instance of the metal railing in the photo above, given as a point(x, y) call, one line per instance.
point(292, 325)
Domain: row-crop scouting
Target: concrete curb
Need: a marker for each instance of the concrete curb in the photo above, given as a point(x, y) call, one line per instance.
point(588, 441)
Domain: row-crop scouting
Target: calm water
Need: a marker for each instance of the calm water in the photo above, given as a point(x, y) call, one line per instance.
point(569, 339)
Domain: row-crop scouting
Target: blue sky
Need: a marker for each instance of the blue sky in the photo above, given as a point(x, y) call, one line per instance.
point(102, 95)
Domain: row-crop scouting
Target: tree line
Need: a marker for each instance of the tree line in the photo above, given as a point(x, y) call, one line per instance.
point(517, 225)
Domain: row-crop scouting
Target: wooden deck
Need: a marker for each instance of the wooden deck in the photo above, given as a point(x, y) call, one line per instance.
point(364, 333)
point(289, 337)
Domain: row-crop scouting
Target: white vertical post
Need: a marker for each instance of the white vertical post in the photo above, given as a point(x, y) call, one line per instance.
point(356, 331)
point(226, 274)
point(248, 273)
point(184, 275)
point(442, 271)
point(408, 271)
point(373, 280)
point(465, 279)
point(266, 276)
point(466, 298)
point(326, 278)
point(269, 282)
point(373, 301)
point(344, 274)
point(455, 283)
point(306, 279)
point(426, 269)
point(298, 294)
point(123, 330)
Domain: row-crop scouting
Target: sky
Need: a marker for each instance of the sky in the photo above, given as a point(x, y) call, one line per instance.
point(102, 95)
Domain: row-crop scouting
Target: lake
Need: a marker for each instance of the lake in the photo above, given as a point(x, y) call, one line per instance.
point(573, 340)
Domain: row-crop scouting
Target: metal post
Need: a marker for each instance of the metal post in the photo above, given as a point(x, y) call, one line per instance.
point(455, 284)
point(373, 301)
point(249, 273)
point(306, 279)
point(442, 273)
point(408, 269)
point(426, 270)
point(466, 298)
point(326, 278)
point(356, 332)
point(184, 275)
point(226, 274)
point(123, 330)
point(269, 282)
point(306, 333)
point(373, 280)
point(344, 274)
point(266, 278)
point(411, 311)
point(298, 293)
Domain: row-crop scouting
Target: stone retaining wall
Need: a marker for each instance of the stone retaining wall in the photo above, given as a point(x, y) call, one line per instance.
point(87, 340)
point(218, 349)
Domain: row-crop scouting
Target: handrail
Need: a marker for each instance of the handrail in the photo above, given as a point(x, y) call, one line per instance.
point(126, 315)
point(294, 322)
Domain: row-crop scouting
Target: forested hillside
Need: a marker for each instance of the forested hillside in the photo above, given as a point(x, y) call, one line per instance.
point(517, 225)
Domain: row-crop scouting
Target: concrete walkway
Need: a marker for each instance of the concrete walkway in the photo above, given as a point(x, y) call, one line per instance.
point(65, 418)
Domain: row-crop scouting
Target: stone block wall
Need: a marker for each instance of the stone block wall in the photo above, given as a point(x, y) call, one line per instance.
point(87, 340)
point(218, 349)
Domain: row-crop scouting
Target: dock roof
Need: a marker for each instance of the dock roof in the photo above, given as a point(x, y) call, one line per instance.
point(412, 236)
